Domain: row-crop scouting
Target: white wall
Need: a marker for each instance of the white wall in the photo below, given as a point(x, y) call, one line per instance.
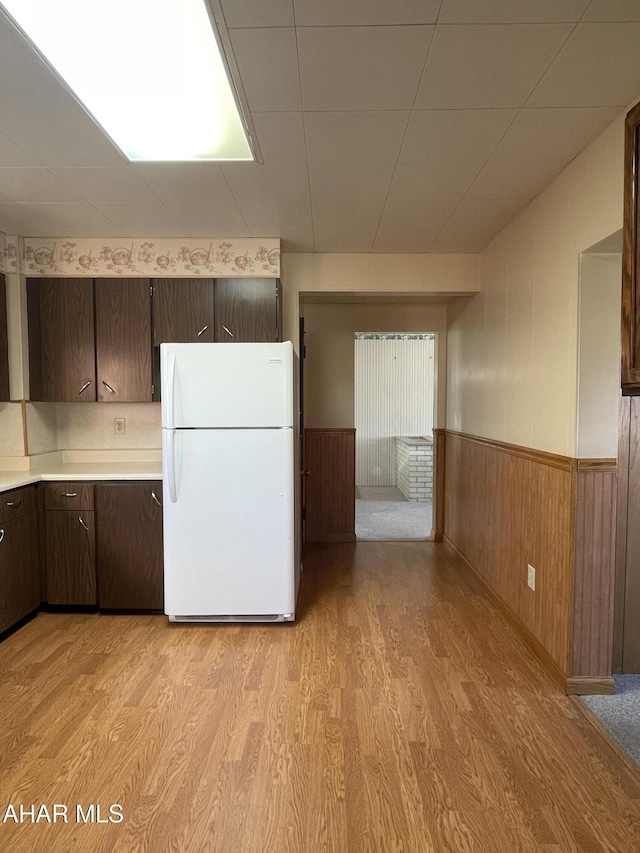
point(393, 396)
point(512, 349)
point(599, 355)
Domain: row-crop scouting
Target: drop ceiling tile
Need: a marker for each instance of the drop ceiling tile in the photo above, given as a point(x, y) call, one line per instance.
point(454, 137)
point(275, 202)
point(476, 221)
point(64, 219)
point(33, 184)
point(334, 13)
point(13, 155)
point(27, 83)
point(198, 197)
point(121, 184)
point(484, 66)
point(354, 137)
point(347, 202)
point(511, 11)
point(257, 13)
point(420, 200)
point(5, 24)
point(613, 10)
point(361, 68)
point(139, 220)
point(537, 146)
point(598, 66)
point(71, 139)
point(268, 65)
point(281, 138)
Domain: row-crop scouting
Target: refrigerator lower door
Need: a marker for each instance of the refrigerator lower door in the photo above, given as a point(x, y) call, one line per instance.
point(229, 524)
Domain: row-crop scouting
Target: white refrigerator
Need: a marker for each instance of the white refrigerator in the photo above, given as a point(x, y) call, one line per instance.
point(230, 482)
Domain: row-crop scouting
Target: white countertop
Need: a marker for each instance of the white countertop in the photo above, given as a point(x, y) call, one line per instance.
point(115, 469)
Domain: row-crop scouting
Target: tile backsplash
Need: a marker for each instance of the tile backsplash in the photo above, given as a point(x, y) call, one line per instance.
point(42, 430)
point(11, 434)
point(90, 426)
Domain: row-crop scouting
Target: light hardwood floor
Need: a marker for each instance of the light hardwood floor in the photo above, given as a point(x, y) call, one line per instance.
point(400, 714)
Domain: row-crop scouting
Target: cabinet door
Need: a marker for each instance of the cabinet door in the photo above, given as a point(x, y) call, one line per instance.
point(182, 311)
point(630, 361)
point(61, 340)
point(123, 340)
point(19, 569)
point(4, 343)
point(129, 545)
point(247, 310)
point(70, 555)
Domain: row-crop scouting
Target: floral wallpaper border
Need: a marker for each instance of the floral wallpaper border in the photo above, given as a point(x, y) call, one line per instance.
point(8, 253)
point(150, 257)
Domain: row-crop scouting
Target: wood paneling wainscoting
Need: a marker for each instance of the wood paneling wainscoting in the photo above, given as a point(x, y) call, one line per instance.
point(330, 485)
point(506, 507)
point(439, 464)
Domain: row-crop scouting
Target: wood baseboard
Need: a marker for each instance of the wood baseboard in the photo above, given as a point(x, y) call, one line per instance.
point(585, 685)
point(525, 635)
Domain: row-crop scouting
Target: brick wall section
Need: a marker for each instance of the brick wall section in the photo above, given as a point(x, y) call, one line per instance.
point(414, 468)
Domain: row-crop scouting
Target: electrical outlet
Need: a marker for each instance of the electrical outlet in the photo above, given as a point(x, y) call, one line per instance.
point(119, 426)
point(531, 577)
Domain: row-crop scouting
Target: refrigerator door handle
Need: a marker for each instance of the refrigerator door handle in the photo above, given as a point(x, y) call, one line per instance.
point(171, 465)
point(171, 392)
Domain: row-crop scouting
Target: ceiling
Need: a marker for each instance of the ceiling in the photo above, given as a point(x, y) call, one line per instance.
point(405, 126)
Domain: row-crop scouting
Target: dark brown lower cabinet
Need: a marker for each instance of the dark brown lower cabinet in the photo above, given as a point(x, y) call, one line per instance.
point(330, 485)
point(19, 569)
point(71, 557)
point(129, 545)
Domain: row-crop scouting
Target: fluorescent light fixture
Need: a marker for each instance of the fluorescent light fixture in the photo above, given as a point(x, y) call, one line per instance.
point(149, 72)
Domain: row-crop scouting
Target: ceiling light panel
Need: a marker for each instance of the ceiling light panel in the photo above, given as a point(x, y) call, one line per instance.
point(150, 73)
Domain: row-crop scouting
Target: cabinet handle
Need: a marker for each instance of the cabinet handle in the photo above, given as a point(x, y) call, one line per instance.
point(307, 473)
point(155, 497)
point(1, 534)
point(108, 387)
point(203, 330)
point(70, 495)
point(82, 523)
point(84, 387)
point(14, 503)
point(231, 335)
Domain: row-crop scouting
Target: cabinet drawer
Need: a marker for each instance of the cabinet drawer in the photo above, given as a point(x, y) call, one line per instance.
point(16, 503)
point(68, 496)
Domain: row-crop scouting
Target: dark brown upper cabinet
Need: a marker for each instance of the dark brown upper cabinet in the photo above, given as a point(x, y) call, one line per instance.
point(182, 311)
point(247, 310)
point(89, 340)
point(123, 340)
point(630, 258)
point(62, 365)
point(4, 343)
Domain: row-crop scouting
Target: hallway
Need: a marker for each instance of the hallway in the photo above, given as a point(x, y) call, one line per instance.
point(400, 714)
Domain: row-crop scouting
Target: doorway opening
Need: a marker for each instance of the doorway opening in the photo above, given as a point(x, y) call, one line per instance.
point(395, 402)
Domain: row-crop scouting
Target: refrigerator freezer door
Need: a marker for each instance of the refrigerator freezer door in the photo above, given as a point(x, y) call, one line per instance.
point(227, 385)
point(229, 535)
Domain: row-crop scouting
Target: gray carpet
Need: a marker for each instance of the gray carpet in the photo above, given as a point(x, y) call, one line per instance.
point(383, 513)
point(620, 713)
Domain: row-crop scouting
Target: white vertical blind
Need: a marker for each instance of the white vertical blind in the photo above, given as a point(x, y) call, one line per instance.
point(394, 395)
